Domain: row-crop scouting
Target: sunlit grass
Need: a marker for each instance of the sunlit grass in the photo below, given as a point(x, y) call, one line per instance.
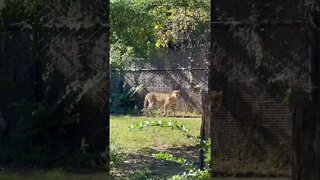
point(141, 139)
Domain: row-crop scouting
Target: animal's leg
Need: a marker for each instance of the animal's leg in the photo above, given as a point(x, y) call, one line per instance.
point(150, 107)
point(173, 109)
point(146, 112)
point(164, 110)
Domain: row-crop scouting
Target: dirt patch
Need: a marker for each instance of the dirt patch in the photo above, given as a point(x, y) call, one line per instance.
point(156, 168)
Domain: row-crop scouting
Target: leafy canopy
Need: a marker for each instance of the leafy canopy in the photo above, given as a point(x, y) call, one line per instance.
point(140, 28)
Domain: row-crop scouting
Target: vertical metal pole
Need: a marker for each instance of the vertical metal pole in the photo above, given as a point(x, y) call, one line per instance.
point(210, 79)
point(210, 74)
point(314, 123)
point(106, 17)
point(314, 68)
point(202, 129)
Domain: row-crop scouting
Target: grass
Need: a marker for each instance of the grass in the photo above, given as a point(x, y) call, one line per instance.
point(140, 144)
point(51, 175)
point(138, 140)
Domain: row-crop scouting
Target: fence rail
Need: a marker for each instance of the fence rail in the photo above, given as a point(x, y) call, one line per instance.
point(149, 70)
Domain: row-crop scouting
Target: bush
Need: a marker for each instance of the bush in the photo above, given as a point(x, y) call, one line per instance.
point(125, 103)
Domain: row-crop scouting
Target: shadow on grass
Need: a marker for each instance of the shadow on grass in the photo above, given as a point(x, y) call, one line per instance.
point(155, 168)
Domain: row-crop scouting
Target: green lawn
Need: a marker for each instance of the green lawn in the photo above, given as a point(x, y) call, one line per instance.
point(139, 145)
point(135, 140)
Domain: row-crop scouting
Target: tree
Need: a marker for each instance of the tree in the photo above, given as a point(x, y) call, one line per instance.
point(140, 29)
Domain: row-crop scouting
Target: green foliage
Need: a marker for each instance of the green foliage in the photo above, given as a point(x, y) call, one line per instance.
point(141, 174)
point(192, 170)
point(132, 32)
point(125, 102)
point(184, 163)
point(207, 148)
point(193, 174)
point(140, 28)
point(116, 157)
point(127, 98)
point(173, 125)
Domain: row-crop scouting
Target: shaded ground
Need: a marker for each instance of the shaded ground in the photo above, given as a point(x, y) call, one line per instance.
point(155, 167)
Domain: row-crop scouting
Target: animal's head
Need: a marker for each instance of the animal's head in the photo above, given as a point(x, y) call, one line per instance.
point(176, 93)
point(216, 100)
